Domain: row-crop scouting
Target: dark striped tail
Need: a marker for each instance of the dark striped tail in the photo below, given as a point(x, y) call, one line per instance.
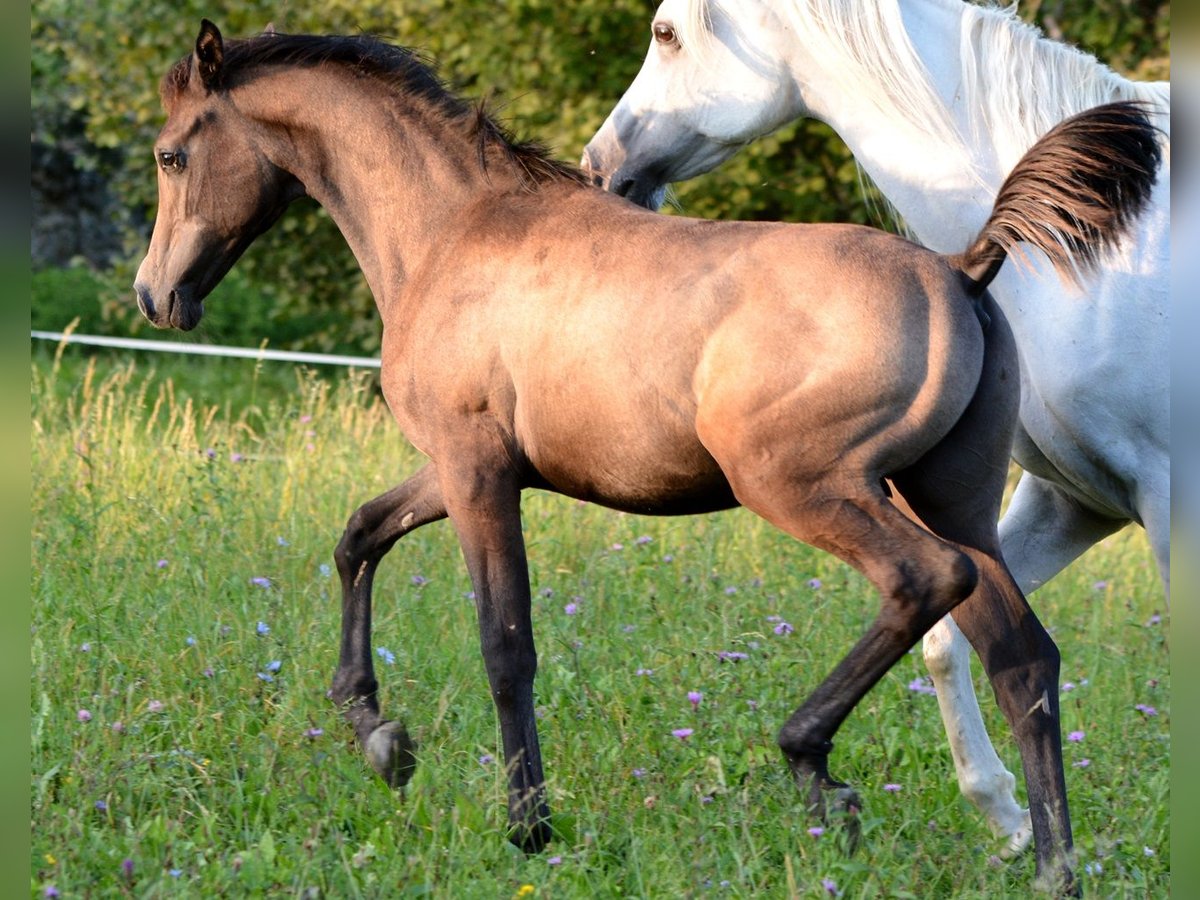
point(1073, 194)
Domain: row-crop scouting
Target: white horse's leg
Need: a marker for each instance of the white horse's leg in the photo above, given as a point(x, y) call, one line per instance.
point(1042, 532)
point(982, 778)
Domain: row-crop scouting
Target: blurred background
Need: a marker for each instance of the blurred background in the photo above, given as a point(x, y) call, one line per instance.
point(550, 71)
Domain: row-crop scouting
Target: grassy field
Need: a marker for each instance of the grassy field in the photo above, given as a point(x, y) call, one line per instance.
point(185, 629)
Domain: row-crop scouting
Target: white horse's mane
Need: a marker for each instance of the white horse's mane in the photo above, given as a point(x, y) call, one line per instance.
point(1016, 83)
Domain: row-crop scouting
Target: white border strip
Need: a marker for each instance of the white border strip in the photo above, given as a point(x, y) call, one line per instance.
point(328, 359)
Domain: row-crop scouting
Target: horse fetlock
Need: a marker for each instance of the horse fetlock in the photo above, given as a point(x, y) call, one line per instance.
point(391, 752)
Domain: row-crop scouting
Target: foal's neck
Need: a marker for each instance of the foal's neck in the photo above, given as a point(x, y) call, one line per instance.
point(393, 173)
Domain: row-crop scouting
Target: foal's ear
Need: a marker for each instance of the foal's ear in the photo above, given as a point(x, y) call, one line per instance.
point(210, 54)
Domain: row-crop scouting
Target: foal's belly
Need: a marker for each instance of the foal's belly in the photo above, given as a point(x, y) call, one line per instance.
point(650, 468)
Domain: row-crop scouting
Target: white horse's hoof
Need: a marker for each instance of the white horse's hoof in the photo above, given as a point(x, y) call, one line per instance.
point(389, 750)
point(1020, 840)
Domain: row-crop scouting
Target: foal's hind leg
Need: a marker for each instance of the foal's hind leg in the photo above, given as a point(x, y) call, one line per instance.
point(919, 578)
point(955, 490)
point(1043, 530)
point(372, 530)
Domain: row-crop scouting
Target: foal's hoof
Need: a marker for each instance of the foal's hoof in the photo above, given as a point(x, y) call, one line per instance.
point(531, 838)
point(843, 807)
point(389, 750)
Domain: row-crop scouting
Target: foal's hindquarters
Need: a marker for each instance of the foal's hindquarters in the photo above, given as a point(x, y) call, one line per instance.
point(929, 544)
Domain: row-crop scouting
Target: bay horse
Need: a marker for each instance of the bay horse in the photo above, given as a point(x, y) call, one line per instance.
point(541, 333)
point(937, 100)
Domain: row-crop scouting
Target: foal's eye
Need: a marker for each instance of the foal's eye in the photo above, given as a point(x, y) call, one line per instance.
point(664, 33)
point(171, 160)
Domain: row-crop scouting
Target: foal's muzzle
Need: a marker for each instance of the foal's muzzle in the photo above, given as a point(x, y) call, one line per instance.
point(179, 311)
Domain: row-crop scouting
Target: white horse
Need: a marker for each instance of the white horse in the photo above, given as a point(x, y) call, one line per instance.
point(938, 99)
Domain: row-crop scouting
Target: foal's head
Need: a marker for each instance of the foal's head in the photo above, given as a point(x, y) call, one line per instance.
point(217, 191)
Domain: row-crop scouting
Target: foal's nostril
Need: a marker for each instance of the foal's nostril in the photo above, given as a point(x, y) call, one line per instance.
point(598, 180)
point(144, 301)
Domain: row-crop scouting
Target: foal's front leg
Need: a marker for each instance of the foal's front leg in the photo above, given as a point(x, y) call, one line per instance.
point(485, 509)
point(371, 532)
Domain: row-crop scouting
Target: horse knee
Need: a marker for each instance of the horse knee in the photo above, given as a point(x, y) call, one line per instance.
point(349, 554)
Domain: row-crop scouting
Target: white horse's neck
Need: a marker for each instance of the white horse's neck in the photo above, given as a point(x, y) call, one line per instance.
point(938, 99)
point(922, 175)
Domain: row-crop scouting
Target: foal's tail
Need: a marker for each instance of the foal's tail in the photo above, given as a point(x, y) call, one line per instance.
point(1072, 194)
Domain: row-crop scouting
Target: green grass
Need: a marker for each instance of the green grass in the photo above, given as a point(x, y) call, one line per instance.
point(204, 776)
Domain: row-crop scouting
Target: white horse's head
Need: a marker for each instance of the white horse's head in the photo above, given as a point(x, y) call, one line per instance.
point(704, 91)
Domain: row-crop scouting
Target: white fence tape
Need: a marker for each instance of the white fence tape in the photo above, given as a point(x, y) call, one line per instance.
point(325, 359)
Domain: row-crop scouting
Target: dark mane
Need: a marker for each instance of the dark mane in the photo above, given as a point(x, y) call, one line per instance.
point(402, 70)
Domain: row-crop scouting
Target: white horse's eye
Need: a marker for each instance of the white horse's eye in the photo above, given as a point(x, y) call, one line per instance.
point(664, 33)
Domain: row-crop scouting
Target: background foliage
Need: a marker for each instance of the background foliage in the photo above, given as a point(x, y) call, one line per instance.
point(552, 71)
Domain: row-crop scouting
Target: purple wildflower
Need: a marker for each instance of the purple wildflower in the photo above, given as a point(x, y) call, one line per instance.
point(816, 831)
point(730, 591)
point(618, 546)
point(629, 629)
point(1146, 710)
point(1147, 851)
point(694, 698)
point(571, 608)
point(830, 886)
point(643, 540)
point(155, 706)
point(174, 873)
point(127, 868)
point(668, 558)
point(784, 628)
point(85, 647)
point(921, 685)
point(51, 892)
point(210, 453)
point(101, 806)
point(1154, 619)
point(487, 759)
point(891, 788)
point(190, 640)
point(261, 581)
point(282, 541)
point(1082, 764)
point(208, 672)
point(314, 733)
point(646, 672)
point(324, 569)
point(419, 580)
point(306, 418)
point(1075, 736)
point(554, 861)
point(161, 564)
point(731, 655)
point(262, 628)
point(1068, 686)
point(83, 715)
point(236, 457)
point(814, 583)
point(1100, 585)
point(639, 773)
point(682, 733)
point(117, 727)
point(386, 655)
